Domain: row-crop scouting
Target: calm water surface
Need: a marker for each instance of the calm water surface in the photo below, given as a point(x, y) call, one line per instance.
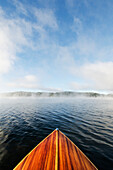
point(87, 122)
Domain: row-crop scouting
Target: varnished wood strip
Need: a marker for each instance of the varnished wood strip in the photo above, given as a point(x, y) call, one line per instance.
point(42, 156)
point(72, 157)
point(56, 160)
point(49, 156)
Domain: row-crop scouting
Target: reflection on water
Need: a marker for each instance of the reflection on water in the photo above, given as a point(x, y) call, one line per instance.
point(87, 122)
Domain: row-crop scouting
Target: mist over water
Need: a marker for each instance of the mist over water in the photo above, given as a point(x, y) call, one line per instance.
point(88, 122)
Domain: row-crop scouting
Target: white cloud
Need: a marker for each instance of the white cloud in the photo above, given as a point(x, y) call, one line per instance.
point(20, 7)
point(17, 33)
point(30, 78)
point(94, 76)
point(46, 17)
point(23, 86)
point(77, 25)
point(1, 11)
point(80, 86)
point(27, 82)
point(7, 54)
point(86, 46)
point(14, 34)
point(50, 89)
point(65, 56)
point(85, 61)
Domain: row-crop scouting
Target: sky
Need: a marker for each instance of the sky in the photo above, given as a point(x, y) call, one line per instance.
point(56, 45)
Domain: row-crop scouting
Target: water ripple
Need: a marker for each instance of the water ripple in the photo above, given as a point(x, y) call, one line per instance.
point(87, 122)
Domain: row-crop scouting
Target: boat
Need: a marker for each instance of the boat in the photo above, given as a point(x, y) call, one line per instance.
point(56, 152)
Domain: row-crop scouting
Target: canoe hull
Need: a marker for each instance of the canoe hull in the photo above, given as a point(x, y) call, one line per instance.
point(55, 152)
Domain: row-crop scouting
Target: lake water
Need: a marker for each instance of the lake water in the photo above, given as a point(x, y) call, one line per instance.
point(88, 122)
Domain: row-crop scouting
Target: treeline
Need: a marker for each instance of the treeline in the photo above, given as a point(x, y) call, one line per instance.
point(54, 94)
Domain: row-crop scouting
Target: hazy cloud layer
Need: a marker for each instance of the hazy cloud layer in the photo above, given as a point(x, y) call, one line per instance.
point(18, 33)
point(97, 76)
point(72, 47)
point(30, 82)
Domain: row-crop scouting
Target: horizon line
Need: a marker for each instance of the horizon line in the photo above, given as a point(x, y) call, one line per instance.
point(98, 92)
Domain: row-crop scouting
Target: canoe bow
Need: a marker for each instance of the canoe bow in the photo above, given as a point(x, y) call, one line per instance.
point(56, 152)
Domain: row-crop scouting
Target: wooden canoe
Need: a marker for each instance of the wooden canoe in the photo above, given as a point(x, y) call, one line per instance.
point(56, 152)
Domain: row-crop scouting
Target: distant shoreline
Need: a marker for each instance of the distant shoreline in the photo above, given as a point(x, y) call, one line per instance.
point(54, 94)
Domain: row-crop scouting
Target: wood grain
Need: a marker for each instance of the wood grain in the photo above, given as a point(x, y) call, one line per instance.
point(42, 156)
point(70, 157)
point(55, 152)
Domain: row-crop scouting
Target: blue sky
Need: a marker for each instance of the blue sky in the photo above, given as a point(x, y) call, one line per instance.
point(56, 45)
